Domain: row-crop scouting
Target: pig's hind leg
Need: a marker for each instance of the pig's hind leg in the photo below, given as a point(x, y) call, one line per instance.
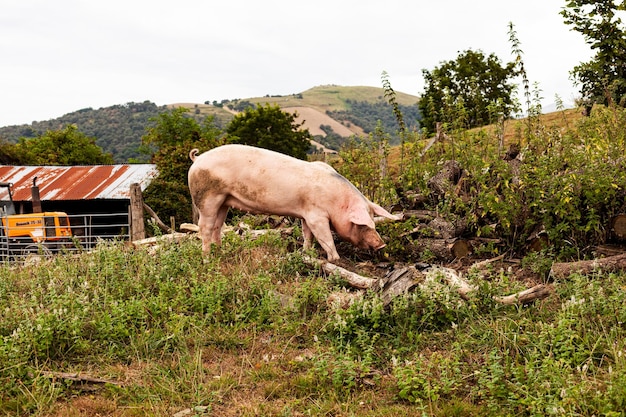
point(210, 221)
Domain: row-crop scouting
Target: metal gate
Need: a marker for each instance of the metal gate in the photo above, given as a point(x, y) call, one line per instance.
point(87, 231)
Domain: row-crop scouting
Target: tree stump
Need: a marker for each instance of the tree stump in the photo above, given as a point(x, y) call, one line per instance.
point(618, 227)
point(444, 249)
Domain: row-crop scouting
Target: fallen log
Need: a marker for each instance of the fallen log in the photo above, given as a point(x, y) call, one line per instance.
point(562, 270)
point(609, 250)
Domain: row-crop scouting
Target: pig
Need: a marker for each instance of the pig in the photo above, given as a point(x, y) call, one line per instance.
point(261, 181)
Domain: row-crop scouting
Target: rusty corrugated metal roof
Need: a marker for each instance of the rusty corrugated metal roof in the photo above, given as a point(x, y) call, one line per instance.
point(76, 182)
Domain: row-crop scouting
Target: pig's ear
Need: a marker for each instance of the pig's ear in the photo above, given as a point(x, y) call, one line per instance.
point(382, 212)
point(361, 217)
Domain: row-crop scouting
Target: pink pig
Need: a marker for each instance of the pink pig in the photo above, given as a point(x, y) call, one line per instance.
point(262, 181)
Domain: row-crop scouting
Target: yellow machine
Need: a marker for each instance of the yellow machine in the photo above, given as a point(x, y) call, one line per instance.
point(22, 234)
point(38, 227)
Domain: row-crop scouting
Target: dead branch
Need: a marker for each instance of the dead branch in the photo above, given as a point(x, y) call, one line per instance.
point(156, 219)
point(538, 292)
point(455, 279)
point(480, 265)
point(355, 280)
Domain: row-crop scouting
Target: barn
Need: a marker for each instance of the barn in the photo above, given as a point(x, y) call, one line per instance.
point(97, 198)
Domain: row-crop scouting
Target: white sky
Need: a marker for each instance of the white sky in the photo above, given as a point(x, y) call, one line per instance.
point(64, 55)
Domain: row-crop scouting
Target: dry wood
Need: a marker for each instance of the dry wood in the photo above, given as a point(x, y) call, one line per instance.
point(446, 229)
point(85, 382)
point(397, 282)
point(453, 279)
point(189, 228)
point(445, 179)
point(381, 219)
point(411, 199)
point(155, 240)
point(562, 270)
point(403, 280)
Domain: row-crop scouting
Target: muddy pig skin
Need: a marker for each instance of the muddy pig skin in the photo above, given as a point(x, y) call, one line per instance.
point(261, 181)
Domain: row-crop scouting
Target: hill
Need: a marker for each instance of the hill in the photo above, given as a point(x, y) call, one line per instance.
point(118, 129)
point(331, 113)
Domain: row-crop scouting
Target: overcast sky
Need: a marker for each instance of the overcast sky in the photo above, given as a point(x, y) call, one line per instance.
point(63, 55)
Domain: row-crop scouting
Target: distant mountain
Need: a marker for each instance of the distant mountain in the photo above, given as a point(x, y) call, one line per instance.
point(331, 113)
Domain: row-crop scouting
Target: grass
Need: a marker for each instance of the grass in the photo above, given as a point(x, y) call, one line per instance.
point(247, 331)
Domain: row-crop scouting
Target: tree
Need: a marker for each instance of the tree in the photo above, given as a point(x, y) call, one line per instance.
point(10, 153)
point(271, 128)
point(169, 140)
point(603, 79)
point(473, 82)
point(66, 146)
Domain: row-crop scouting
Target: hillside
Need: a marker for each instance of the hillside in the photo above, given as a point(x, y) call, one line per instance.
point(331, 113)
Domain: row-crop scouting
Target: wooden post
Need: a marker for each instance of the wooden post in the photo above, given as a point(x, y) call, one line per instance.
point(137, 230)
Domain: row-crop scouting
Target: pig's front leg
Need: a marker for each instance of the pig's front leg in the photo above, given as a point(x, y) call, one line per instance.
point(307, 234)
point(320, 228)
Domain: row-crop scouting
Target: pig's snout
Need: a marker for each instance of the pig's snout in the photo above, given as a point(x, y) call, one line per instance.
point(370, 239)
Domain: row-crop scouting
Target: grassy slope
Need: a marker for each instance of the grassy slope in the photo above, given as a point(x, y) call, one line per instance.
point(249, 331)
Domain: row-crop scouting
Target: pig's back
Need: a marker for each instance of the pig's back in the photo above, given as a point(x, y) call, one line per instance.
point(242, 162)
point(261, 180)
